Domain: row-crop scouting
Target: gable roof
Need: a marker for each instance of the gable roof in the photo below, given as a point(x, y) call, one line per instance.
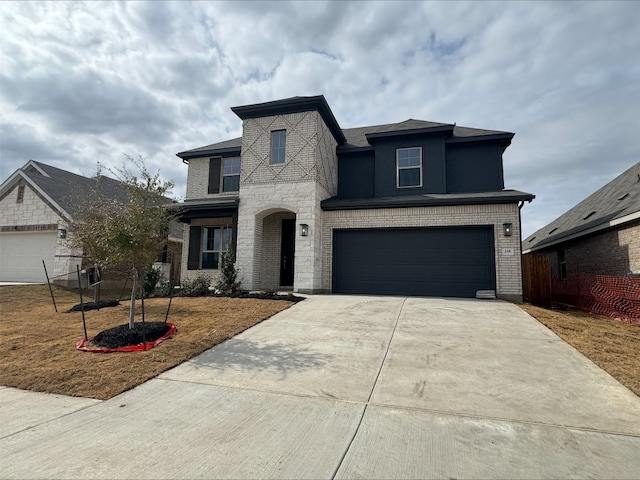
point(360, 137)
point(617, 203)
point(61, 189)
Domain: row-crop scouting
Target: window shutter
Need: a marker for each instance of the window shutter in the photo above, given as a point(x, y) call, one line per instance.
point(214, 175)
point(195, 237)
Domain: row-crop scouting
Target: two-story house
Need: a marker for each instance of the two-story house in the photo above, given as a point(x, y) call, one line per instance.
point(409, 208)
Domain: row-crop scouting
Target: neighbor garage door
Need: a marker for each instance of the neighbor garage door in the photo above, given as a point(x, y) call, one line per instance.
point(21, 256)
point(448, 262)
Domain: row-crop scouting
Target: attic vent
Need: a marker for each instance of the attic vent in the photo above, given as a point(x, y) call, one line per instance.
point(623, 196)
point(588, 215)
point(532, 239)
point(553, 230)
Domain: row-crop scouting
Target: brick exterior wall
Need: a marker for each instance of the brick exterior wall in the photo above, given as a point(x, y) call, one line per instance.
point(198, 180)
point(291, 190)
point(33, 211)
point(508, 266)
point(613, 252)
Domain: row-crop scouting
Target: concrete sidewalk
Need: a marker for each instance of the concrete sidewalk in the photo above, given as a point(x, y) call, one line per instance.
point(347, 387)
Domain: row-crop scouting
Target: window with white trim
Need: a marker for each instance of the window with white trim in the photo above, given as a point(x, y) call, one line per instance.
point(214, 242)
point(409, 167)
point(278, 144)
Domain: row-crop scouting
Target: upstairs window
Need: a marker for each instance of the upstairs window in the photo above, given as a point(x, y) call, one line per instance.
point(409, 167)
point(231, 174)
point(214, 242)
point(224, 174)
point(278, 142)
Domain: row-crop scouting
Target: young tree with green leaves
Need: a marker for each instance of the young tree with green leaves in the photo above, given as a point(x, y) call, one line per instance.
point(129, 233)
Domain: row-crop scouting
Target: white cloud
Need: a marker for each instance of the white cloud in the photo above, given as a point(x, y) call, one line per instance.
point(82, 82)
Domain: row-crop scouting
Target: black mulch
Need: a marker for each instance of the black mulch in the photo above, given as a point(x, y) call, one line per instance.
point(122, 335)
point(94, 305)
point(261, 296)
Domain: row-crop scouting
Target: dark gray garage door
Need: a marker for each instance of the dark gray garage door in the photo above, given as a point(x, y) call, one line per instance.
point(447, 262)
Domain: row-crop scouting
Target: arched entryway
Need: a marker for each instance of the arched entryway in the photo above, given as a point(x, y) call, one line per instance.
point(274, 255)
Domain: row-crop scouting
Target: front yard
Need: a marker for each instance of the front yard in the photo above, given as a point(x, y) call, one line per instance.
point(38, 345)
point(38, 351)
point(612, 345)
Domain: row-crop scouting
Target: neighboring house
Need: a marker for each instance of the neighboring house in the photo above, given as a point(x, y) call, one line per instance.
point(600, 235)
point(37, 202)
point(409, 208)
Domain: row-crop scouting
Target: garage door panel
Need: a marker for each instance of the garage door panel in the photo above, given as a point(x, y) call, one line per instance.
point(21, 256)
point(451, 261)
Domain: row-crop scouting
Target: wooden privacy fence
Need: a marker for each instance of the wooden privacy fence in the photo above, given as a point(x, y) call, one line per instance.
point(536, 280)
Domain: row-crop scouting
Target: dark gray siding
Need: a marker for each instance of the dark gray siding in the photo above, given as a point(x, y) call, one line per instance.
point(356, 175)
point(433, 165)
point(474, 168)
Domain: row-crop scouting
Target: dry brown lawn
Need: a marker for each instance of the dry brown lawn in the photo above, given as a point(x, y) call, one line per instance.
point(612, 345)
point(37, 345)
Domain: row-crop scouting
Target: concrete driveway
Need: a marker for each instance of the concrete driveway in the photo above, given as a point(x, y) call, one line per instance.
point(347, 387)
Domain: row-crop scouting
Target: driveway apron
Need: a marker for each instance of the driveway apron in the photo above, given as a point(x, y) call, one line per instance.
point(348, 387)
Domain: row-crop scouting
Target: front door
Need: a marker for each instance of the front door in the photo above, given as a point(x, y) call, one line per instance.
point(287, 251)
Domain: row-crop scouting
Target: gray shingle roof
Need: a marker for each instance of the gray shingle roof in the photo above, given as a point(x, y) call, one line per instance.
point(617, 199)
point(68, 189)
point(356, 137)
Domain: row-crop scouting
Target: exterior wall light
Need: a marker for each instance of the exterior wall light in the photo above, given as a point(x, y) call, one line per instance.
point(62, 233)
point(304, 229)
point(507, 229)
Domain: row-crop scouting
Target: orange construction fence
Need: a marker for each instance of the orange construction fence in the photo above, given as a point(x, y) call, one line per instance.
point(616, 297)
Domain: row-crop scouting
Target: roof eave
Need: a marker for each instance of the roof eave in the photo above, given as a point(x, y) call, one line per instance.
point(399, 202)
point(597, 228)
point(189, 154)
point(411, 131)
point(294, 105)
point(504, 137)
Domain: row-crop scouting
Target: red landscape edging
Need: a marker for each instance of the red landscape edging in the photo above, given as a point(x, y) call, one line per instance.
point(129, 348)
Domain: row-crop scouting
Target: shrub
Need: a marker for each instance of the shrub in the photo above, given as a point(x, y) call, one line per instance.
point(150, 280)
point(196, 286)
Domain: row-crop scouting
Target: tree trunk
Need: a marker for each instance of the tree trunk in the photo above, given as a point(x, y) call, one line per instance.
point(132, 309)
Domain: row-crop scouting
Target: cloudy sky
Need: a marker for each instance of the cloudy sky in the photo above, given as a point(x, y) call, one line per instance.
point(87, 82)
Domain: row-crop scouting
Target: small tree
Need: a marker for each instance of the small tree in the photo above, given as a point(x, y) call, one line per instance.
point(228, 274)
point(114, 232)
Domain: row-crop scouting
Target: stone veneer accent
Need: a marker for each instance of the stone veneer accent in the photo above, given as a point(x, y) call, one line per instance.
point(508, 266)
point(308, 176)
point(34, 212)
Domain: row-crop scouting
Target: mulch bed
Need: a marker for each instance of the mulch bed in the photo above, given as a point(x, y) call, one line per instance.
point(262, 296)
point(93, 305)
point(122, 335)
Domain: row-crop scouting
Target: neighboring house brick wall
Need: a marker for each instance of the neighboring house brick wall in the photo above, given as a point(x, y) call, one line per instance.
point(614, 252)
point(33, 210)
point(508, 267)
